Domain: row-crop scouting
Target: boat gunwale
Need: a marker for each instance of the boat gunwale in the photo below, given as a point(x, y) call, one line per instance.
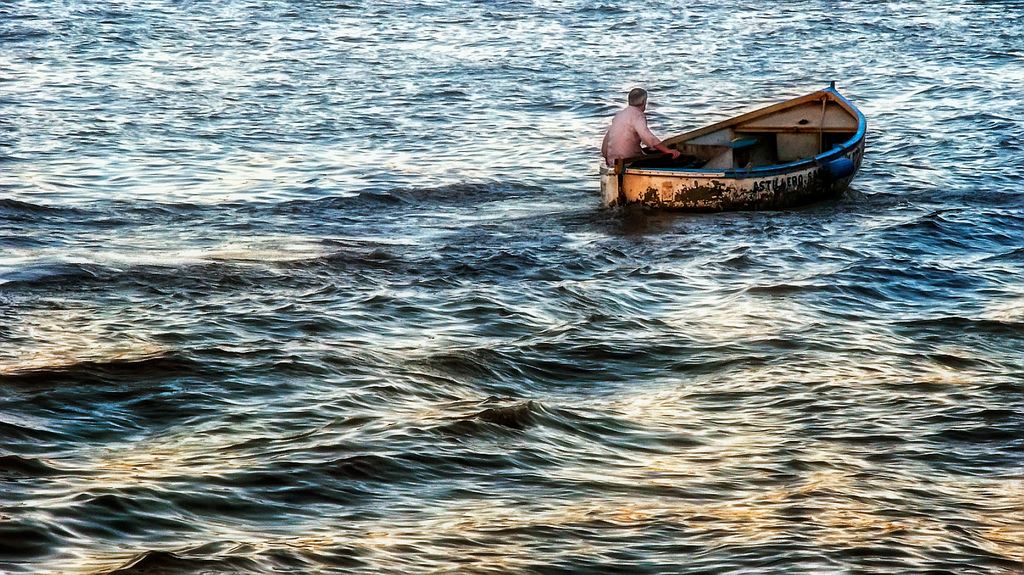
point(772, 169)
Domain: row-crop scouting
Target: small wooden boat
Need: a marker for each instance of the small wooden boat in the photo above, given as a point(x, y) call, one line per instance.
point(786, 155)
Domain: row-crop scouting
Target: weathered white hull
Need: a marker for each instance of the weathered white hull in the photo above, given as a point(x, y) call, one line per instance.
point(699, 191)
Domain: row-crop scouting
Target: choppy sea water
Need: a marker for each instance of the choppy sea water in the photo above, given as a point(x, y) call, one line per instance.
point(324, 287)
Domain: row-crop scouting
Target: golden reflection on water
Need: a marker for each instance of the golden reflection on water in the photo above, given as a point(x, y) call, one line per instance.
point(839, 514)
point(737, 318)
point(1010, 311)
point(500, 530)
point(142, 249)
point(59, 339)
point(837, 507)
point(142, 462)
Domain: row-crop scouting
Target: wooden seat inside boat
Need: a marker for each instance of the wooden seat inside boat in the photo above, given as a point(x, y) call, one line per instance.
point(662, 161)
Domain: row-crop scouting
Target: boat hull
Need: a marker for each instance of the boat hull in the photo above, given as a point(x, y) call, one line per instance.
point(716, 192)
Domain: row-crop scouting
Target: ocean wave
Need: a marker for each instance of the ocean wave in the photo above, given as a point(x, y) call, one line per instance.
point(121, 365)
point(1011, 328)
point(15, 34)
point(458, 194)
point(55, 275)
point(213, 269)
point(782, 289)
point(23, 213)
point(9, 205)
point(167, 562)
point(23, 540)
point(516, 416)
point(16, 465)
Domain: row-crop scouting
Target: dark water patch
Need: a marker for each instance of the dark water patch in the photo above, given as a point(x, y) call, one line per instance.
point(131, 512)
point(709, 363)
point(331, 206)
point(879, 440)
point(960, 362)
point(478, 464)
point(905, 281)
point(369, 467)
point(359, 258)
point(516, 416)
point(9, 206)
point(120, 213)
point(358, 479)
point(23, 539)
point(58, 275)
point(16, 465)
point(87, 372)
point(965, 455)
point(973, 556)
point(503, 372)
point(467, 194)
point(985, 120)
point(169, 563)
point(1008, 328)
point(943, 222)
point(785, 289)
point(286, 493)
point(27, 433)
point(27, 213)
point(19, 241)
point(192, 279)
point(224, 504)
point(463, 365)
point(495, 263)
point(1006, 435)
point(615, 431)
point(591, 361)
point(264, 444)
point(967, 413)
point(1011, 143)
point(15, 34)
point(170, 405)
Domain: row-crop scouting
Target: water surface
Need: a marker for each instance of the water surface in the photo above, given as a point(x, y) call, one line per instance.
point(324, 287)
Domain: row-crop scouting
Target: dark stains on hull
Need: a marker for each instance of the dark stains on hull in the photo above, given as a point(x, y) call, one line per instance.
point(718, 199)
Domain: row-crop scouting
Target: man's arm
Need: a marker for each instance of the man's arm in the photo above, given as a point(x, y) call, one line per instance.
point(648, 138)
point(667, 150)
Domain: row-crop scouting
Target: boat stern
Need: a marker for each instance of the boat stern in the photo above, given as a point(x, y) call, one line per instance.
point(609, 185)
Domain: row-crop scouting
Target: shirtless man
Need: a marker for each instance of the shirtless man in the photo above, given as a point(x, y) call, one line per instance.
point(628, 129)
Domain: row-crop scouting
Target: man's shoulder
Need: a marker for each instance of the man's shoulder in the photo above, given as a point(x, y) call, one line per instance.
point(629, 113)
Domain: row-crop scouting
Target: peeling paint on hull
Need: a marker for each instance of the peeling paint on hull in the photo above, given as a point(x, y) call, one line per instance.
point(715, 193)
